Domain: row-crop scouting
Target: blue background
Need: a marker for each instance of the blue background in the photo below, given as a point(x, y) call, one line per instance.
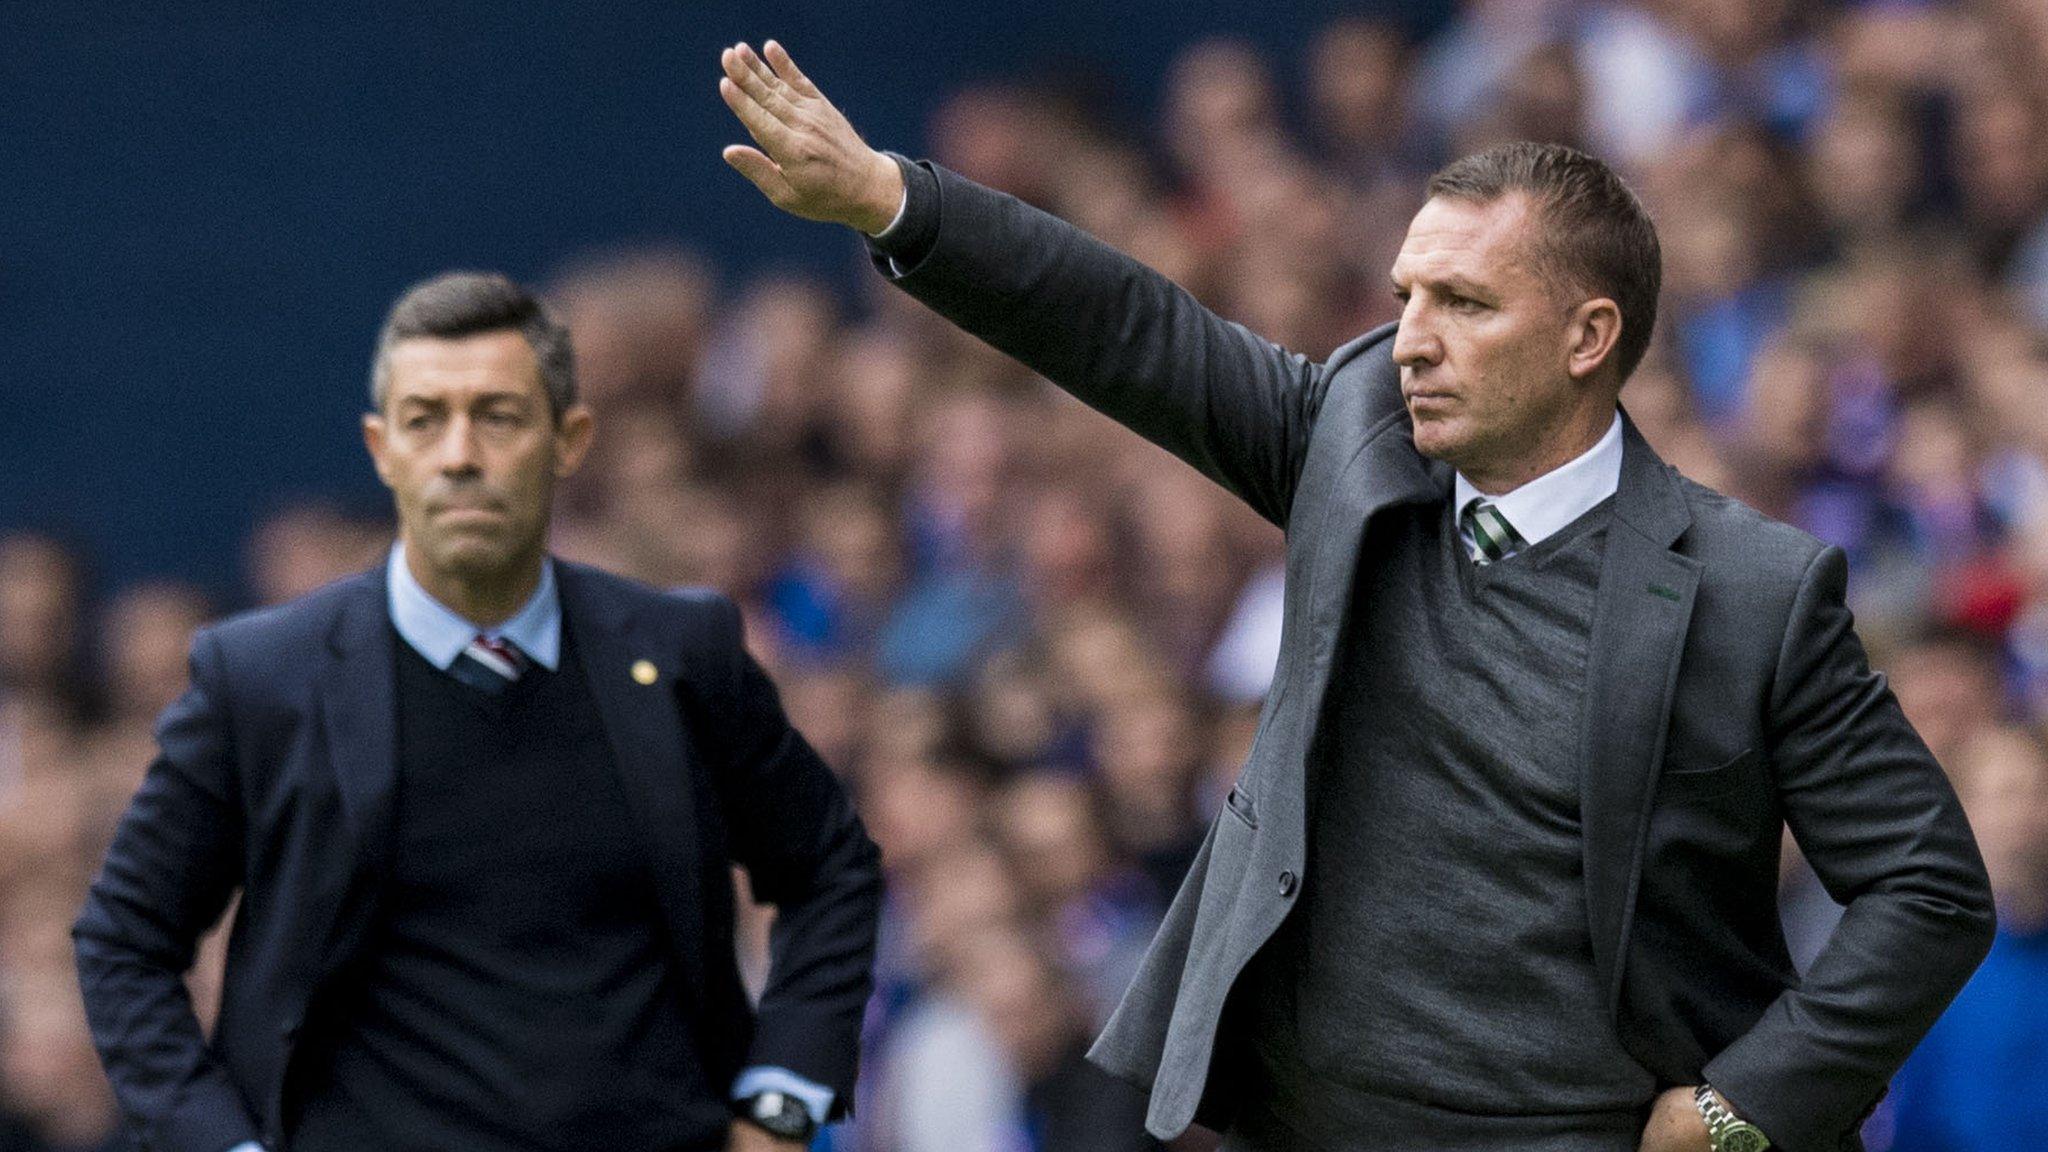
point(208, 205)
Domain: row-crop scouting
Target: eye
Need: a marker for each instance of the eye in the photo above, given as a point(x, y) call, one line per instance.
point(1465, 303)
point(418, 422)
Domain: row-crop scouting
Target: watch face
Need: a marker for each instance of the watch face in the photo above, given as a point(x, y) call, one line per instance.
point(782, 1115)
point(1743, 1138)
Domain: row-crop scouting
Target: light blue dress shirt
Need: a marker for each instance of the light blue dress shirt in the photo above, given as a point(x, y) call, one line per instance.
point(439, 633)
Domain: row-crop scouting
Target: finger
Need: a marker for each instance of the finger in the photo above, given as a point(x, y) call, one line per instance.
point(786, 68)
point(764, 85)
point(767, 131)
point(760, 171)
point(752, 59)
point(763, 174)
point(749, 80)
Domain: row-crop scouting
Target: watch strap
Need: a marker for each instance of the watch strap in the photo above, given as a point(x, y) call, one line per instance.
point(1726, 1131)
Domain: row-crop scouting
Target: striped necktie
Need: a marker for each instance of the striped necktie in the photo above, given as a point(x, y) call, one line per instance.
point(488, 665)
point(1489, 533)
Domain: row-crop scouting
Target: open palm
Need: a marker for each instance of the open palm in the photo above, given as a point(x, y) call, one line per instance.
point(810, 162)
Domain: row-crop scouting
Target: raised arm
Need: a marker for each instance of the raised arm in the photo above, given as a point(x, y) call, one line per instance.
point(1122, 338)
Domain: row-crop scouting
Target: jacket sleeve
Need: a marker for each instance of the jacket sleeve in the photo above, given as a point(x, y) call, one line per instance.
point(794, 829)
point(175, 859)
point(1124, 339)
point(1883, 829)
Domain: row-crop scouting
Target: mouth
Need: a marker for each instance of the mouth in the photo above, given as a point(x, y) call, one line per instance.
point(468, 512)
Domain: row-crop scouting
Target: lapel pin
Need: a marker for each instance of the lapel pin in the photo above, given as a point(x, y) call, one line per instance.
point(644, 672)
point(1659, 590)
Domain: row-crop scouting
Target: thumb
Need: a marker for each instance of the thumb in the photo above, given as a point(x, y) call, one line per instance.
point(764, 173)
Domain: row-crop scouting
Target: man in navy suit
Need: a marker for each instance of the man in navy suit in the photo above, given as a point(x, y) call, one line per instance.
point(480, 806)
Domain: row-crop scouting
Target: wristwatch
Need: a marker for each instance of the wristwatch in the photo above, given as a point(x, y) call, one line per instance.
point(782, 1115)
point(1726, 1131)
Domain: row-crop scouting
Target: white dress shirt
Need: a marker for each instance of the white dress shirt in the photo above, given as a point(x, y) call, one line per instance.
point(1556, 498)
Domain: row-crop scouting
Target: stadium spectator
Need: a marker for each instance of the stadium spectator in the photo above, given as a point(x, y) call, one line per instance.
point(1974, 1084)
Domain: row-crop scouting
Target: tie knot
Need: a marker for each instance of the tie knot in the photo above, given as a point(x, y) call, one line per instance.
point(1489, 533)
point(499, 655)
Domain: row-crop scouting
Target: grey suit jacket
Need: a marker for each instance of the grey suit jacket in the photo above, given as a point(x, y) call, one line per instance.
point(1728, 696)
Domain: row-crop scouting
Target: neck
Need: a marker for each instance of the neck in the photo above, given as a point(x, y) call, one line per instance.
point(484, 599)
point(1569, 441)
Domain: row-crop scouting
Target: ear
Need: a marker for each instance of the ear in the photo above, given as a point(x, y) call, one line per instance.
point(374, 433)
point(1594, 329)
point(572, 439)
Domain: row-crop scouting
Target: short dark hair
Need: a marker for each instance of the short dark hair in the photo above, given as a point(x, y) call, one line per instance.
point(1599, 237)
point(457, 304)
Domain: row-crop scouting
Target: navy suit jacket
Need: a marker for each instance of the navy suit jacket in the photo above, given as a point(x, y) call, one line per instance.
point(276, 775)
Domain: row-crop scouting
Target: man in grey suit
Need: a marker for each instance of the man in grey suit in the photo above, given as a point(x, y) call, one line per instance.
point(1500, 869)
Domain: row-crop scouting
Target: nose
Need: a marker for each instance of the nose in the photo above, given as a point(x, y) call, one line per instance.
point(458, 448)
point(1415, 343)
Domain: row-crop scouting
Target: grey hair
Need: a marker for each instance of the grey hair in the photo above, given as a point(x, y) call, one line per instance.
point(1599, 239)
point(456, 304)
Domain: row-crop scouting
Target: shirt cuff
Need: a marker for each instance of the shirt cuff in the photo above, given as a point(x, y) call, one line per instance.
point(247, 1146)
point(816, 1098)
point(910, 237)
point(896, 221)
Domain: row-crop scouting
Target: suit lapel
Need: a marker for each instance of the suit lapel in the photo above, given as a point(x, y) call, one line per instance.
point(1385, 471)
point(1641, 615)
point(633, 680)
point(359, 709)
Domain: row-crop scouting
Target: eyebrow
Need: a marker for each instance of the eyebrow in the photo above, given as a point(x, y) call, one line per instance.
point(494, 397)
point(1455, 284)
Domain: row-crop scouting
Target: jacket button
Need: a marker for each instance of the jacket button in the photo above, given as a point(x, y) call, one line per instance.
point(1287, 883)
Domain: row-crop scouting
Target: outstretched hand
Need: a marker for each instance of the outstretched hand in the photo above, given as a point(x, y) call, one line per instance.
point(810, 163)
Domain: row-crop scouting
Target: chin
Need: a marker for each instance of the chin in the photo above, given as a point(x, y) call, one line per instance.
point(472, 557)
point(1438, 440)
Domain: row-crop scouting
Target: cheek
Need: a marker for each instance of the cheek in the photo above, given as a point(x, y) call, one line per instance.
point(1509, 368)
point(1490, 375)
point(406, 477)
point(530, 473)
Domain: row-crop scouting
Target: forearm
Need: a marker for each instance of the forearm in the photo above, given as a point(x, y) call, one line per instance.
point(1818, 1059)
point(821, 965)
point(1873, 813)
point(155, 1054)
point(793, 827)
point(1118, 335)
point(174, 862)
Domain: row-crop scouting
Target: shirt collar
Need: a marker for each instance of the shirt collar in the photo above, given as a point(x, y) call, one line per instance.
point(439, 633)
point(1559, 496)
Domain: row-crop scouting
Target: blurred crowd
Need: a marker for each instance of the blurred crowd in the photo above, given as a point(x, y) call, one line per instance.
point(1036, 647)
